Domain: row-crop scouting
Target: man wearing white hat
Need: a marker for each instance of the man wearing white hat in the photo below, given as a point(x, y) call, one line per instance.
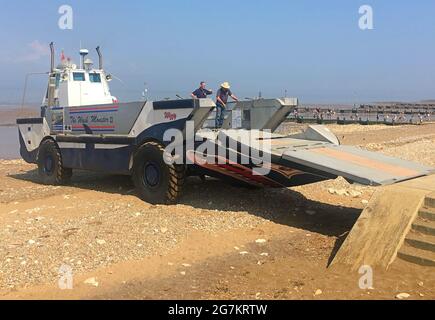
point(221, 103)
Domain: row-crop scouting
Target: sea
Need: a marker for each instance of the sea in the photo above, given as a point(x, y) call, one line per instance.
point(9, 143)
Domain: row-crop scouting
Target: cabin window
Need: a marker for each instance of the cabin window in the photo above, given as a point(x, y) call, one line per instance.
point(95, 77)
point(78, 76)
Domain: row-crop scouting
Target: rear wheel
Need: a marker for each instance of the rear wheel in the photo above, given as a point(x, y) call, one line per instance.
point(157, 182)
point(50, 166)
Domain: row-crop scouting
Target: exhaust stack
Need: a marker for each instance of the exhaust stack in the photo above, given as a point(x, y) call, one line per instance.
point(51, 57)
point(100, 58)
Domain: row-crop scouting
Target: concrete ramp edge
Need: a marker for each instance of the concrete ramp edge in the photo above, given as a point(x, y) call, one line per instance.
point(382, 227)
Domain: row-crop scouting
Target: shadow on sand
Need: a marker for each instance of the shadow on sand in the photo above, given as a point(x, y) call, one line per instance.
point(283, 206)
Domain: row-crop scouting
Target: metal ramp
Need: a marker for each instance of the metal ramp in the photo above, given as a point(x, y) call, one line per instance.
point(357, 165)
point(329, 160)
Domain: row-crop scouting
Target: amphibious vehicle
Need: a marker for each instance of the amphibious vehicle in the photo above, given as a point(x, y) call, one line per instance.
point(82, 126)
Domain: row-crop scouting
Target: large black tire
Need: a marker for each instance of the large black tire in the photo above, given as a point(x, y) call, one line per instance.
point(157, 182)
point(50, 165)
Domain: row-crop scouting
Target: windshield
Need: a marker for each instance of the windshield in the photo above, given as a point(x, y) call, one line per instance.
point(78, 76)
point(95, 77)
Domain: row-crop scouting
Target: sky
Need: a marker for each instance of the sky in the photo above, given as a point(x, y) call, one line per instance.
point(313, 50)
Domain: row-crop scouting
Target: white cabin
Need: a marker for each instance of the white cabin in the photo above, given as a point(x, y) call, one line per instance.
point(80, 86)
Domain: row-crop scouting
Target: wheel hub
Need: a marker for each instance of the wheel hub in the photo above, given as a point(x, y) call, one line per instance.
point(151, 174)
point(48, 164)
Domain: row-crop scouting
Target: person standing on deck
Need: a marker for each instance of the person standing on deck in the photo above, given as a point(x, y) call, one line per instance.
point(202, 92)
point(221, 103)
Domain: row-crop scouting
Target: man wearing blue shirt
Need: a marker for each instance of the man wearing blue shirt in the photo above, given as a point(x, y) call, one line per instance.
point(201, 92)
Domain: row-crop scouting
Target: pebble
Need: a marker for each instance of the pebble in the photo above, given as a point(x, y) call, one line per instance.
point(259, 241)
point(92, 282)
point(365, 202)
point(318, 292)
point(355, 194)
point(243, 253)
point(101, 241)
point(341, 192)
point(403, 295)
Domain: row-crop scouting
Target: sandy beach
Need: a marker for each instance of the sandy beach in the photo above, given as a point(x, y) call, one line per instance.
point(205, 247)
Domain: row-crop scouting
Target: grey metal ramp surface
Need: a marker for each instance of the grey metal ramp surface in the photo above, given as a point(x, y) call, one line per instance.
point(277, 143)
point(357, 165)
point(354, 164)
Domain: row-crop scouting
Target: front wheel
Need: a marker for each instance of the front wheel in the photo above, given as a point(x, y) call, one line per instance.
point(50, 166)
point(157, 182)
